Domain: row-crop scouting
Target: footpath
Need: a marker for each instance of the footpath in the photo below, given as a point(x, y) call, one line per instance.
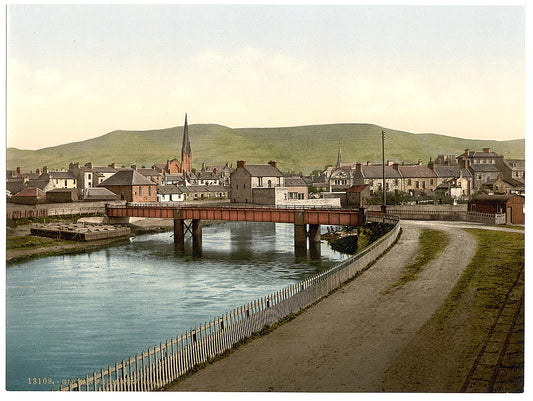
point(361, 338)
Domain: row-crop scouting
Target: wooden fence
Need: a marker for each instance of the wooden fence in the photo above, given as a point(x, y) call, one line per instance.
point(159, 366)
point(437, 214)
point(57, 211)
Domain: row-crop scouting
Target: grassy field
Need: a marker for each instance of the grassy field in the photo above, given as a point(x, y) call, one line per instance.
point(299, 149)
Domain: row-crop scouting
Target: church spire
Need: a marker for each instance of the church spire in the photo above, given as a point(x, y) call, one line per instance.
point(186, 156)
point(339, 157)
point(186, 146)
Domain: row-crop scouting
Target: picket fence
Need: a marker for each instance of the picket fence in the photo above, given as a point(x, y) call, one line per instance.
point(161, 365)
point(57, 211)
point(438, 214)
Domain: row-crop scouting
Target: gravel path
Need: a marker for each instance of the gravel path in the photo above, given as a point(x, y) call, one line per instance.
point(348, 341)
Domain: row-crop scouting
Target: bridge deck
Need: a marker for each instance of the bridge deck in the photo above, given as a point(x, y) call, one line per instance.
point(257, 214)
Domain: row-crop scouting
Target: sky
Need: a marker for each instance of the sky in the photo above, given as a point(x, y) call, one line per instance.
point(76, 72)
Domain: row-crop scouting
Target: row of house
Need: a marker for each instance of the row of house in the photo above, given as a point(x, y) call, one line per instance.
point(458, 177)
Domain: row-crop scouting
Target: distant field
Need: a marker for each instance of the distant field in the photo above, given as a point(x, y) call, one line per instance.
point(299, 149)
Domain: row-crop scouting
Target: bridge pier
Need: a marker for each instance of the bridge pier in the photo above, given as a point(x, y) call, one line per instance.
point(304, 234)
point(179, 235)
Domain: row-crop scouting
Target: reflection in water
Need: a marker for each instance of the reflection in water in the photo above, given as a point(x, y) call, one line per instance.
point(68, 315)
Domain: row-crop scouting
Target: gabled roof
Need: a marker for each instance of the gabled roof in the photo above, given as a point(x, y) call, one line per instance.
point(376, 171)
point(263, 170)
point(31, 192)
point(295, 182)
point(98, 193)
point(126, 177)
point(450, 171)
point(416, 171)
point(60, 175)
point(168, 190)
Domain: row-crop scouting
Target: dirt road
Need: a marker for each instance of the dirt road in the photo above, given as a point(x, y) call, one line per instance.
point(351, 340)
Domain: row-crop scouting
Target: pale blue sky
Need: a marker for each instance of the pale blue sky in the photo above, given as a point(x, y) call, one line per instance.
point(76, 72)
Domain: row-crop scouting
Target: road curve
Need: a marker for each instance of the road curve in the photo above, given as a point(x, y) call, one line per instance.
point(347, 341)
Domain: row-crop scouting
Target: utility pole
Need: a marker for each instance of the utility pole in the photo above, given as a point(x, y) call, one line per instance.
point(383, 165)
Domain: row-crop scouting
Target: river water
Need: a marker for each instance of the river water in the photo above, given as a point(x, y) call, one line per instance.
point(72, 314)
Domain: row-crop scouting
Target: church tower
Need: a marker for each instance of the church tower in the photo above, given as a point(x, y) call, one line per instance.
point(186, 155)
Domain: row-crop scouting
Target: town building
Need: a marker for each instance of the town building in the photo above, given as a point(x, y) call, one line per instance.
point(511, 205)
point(357, 196)
point(296, 188)
point(89, 176)
point(131, 186)
point(372, 175)
point(261, 184)
point(416, 178)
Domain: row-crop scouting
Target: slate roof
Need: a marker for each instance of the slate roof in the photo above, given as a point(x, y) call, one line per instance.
point(31, 192)
point(60, 175)
point(451, 171)
point(295, 182)
point(168, 190)
point(484, 168)
point(98, 193)
point(416, 171)
point(376, 171)
point(493, 198)
point(262, 170)
point(126, 177)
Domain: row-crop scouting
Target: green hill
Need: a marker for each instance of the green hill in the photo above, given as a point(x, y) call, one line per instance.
point(304, 148)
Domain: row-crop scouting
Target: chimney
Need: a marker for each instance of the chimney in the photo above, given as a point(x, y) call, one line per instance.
point(45, 169)
point(241, 163)
point(37, 171)
point(19, 171)
point(419, 162)
point(390, 163)
point(112, 165)
point(89, 165)
point(467, 152)
point(368, 163)
point(395, 166)
point(358, 167)
point(273, 163)
point(133, 166)
point(486, 150)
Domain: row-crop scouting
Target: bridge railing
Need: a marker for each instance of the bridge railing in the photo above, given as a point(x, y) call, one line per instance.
point(158, 366)
point(224, 205)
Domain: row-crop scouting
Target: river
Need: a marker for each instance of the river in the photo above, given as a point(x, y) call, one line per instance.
point(69, 315)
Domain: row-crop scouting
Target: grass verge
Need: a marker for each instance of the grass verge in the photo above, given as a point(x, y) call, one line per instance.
point(432, 243)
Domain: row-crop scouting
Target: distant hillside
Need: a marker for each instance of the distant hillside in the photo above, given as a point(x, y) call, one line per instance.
point(297, 149)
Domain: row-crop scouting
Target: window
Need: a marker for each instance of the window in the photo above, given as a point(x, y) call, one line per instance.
point(269, 183)
point(409, 182)
point(431, 181)
point(417, 184)
point(149, 191)
point(260, 179)
point(424, 184)
point(66, 183)
point(140, 191)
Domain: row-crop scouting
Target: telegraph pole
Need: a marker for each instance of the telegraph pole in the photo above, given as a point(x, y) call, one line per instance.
point(383, 165)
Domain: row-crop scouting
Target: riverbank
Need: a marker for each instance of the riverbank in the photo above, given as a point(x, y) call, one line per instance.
point(52, 247)
point(443, 331)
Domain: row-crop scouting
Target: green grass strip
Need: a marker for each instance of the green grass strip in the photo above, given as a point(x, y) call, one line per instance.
point(432, 243)
point(499, 257)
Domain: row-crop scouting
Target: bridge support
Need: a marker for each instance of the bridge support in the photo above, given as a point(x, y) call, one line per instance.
point(179, 235)
point(301, 235)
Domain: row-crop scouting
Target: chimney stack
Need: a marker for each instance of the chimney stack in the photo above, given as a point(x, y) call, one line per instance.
point(273, 163)
point(19, 171)
point(419, 162)
point(241, 163)
point(45, 169)
point(467, 152)
point(486, 150)
point(133, 166)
